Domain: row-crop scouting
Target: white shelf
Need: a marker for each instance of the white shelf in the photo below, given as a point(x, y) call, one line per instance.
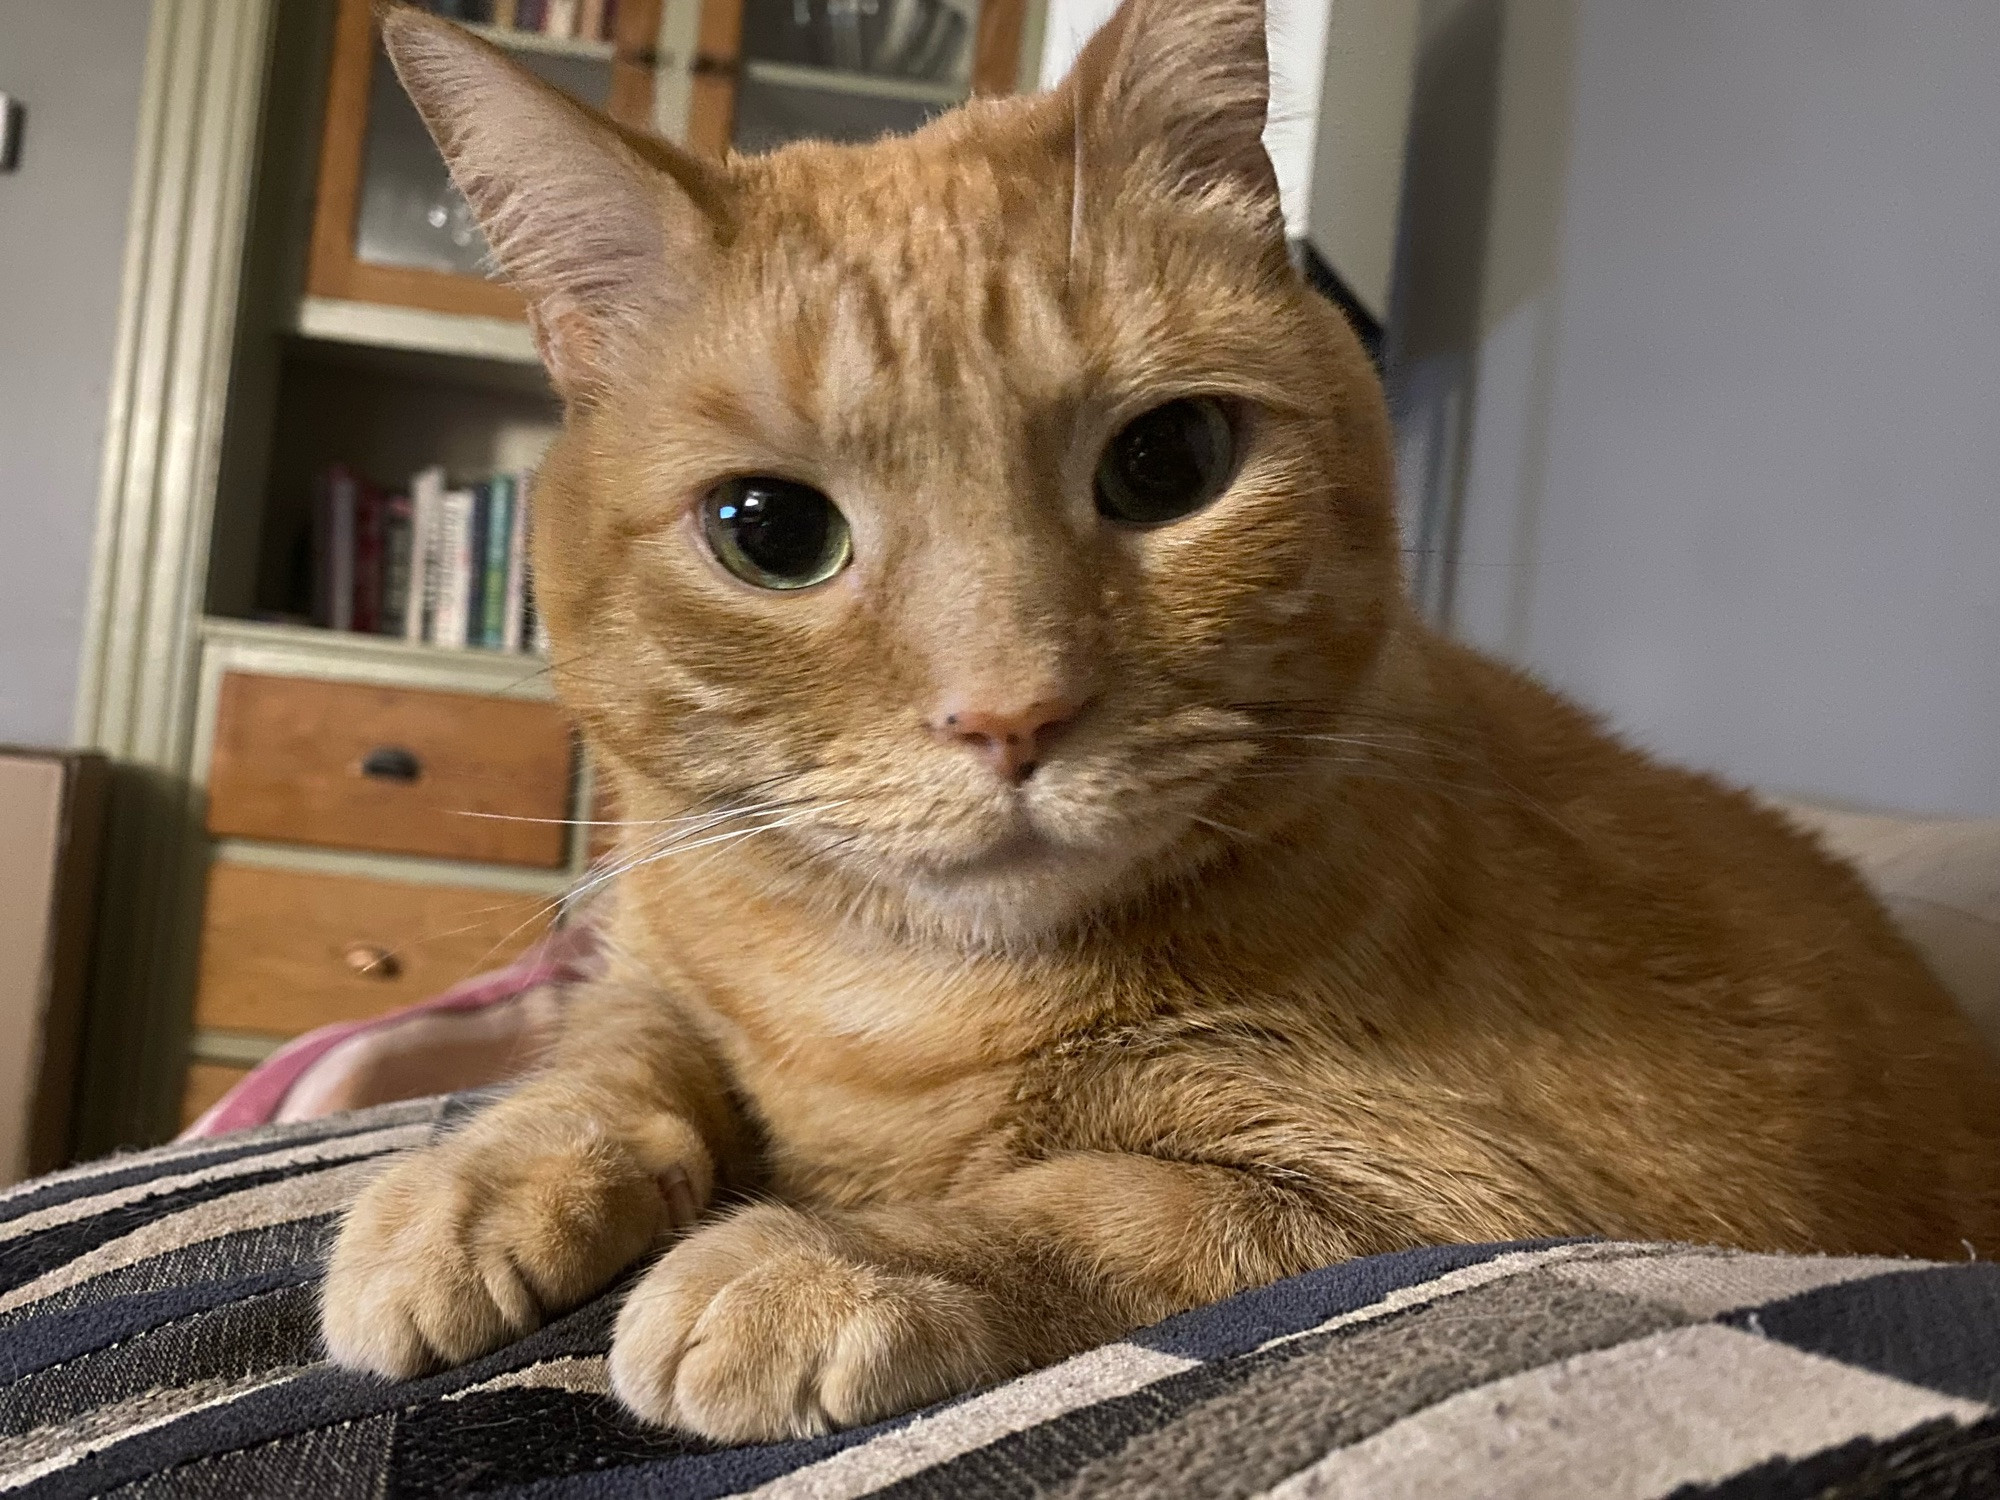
point(871, 85)
point(534, 41)
point(380, 326)
point(346, 656)
point(409, 869)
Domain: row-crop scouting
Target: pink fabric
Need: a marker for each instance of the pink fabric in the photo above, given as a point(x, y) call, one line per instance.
point(561, 958)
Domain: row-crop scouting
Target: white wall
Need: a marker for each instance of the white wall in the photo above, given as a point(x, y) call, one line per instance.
point(77, 64)
point(1733, 393)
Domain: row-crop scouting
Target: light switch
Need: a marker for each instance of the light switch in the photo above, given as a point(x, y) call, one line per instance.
point(11, 116)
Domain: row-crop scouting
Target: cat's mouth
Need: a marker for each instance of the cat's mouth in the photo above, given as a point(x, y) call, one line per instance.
point(1020, 851)
point(1026, 862)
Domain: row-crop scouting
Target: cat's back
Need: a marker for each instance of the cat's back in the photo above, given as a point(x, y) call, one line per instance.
point(1731, 984)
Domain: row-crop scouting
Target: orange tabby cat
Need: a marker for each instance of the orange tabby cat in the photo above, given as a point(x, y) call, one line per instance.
point(1069, 884)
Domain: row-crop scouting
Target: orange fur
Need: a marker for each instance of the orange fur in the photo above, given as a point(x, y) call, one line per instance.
point(1314, 935)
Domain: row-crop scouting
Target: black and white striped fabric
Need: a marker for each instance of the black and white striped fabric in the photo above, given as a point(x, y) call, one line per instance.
point(158, 1338)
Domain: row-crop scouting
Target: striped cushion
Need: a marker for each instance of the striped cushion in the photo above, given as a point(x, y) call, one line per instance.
point(158, 1338)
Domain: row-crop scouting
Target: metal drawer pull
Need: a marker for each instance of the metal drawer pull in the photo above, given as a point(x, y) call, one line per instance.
point(372, 962)
point(391, 763)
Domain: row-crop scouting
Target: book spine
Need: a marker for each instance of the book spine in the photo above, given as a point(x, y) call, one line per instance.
point(517, 569)
point(590, 20)
point(493, 591)
point(531, 619)
point(503, 14)
point(320, 547)
point(368, 518)
point(475, 563)
point(610, 31)
point(427, 515)
point(455, 570)
point(396, 547)
point(559, 19)
point(344, 493)
point(528, 14)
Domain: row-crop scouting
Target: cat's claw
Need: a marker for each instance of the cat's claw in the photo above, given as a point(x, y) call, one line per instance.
point(765, 1326)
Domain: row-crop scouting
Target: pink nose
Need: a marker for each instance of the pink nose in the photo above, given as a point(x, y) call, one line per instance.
point(1010, 742)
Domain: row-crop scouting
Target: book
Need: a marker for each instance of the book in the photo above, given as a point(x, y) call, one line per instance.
point(335, 495)
point(368, 518)
point(608, 30)
point(514, 618)
point(454, 597)
point(590, 20)
point(426, 517)
point(396, 530)
point(319, 552)
point(559, 19)
point(493, 590)
point(503, 14)
point(532, 629)
point(475, 563)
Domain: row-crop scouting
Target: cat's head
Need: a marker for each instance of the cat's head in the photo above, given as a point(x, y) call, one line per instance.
point(988, 508)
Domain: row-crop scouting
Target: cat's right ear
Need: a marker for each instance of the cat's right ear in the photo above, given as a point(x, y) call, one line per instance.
point(1174, 93)
point(606, 234)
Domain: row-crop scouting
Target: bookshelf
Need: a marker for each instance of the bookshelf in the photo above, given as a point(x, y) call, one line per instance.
point(244, 372)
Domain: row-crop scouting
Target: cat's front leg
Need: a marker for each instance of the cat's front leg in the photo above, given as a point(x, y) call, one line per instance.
point(781, 1322)
point(469, 1244)
point(539, 1201)
point(776, 1323)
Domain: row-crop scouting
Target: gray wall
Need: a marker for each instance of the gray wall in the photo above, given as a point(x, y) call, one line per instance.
point(77, 64)
point(1722, 434)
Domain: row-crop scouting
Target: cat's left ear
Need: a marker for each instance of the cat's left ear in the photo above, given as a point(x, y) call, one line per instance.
point(606, 233)
point(1176, 92)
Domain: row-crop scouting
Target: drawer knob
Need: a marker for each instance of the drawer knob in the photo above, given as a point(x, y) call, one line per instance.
point(371, 961)
point(391, 763)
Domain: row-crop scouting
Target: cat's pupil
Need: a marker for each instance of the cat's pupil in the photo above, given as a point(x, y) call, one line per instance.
point(775, 533)
point(1166, 463)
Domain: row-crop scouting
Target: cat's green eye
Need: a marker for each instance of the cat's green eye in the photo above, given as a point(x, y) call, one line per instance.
point(1167, 463)
point(775, 533)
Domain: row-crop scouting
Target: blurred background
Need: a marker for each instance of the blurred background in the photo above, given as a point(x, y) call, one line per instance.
point(1688, 314)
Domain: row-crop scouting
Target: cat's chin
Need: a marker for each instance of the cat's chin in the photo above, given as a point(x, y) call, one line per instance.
point(1023, 888)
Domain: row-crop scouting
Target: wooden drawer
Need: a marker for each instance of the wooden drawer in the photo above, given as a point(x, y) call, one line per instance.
point(283, 951)
point(204, 1085)
point(400, 770)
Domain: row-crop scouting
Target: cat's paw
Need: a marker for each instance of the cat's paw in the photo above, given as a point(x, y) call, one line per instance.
point(472, 1243)
point(765, 1326)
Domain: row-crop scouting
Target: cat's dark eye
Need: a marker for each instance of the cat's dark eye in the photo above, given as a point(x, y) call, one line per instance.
point(1167, 463)
point(775, 533)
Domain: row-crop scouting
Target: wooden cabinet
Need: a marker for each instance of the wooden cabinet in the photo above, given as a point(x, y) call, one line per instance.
point(392, 769)
point(285, 951)
point(280, 332)
point(385, 820)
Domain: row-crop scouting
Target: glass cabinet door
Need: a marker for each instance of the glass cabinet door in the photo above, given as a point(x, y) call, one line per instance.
point(771, 71)
point(850, 70)
point(388, 225)
point(410, 214)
